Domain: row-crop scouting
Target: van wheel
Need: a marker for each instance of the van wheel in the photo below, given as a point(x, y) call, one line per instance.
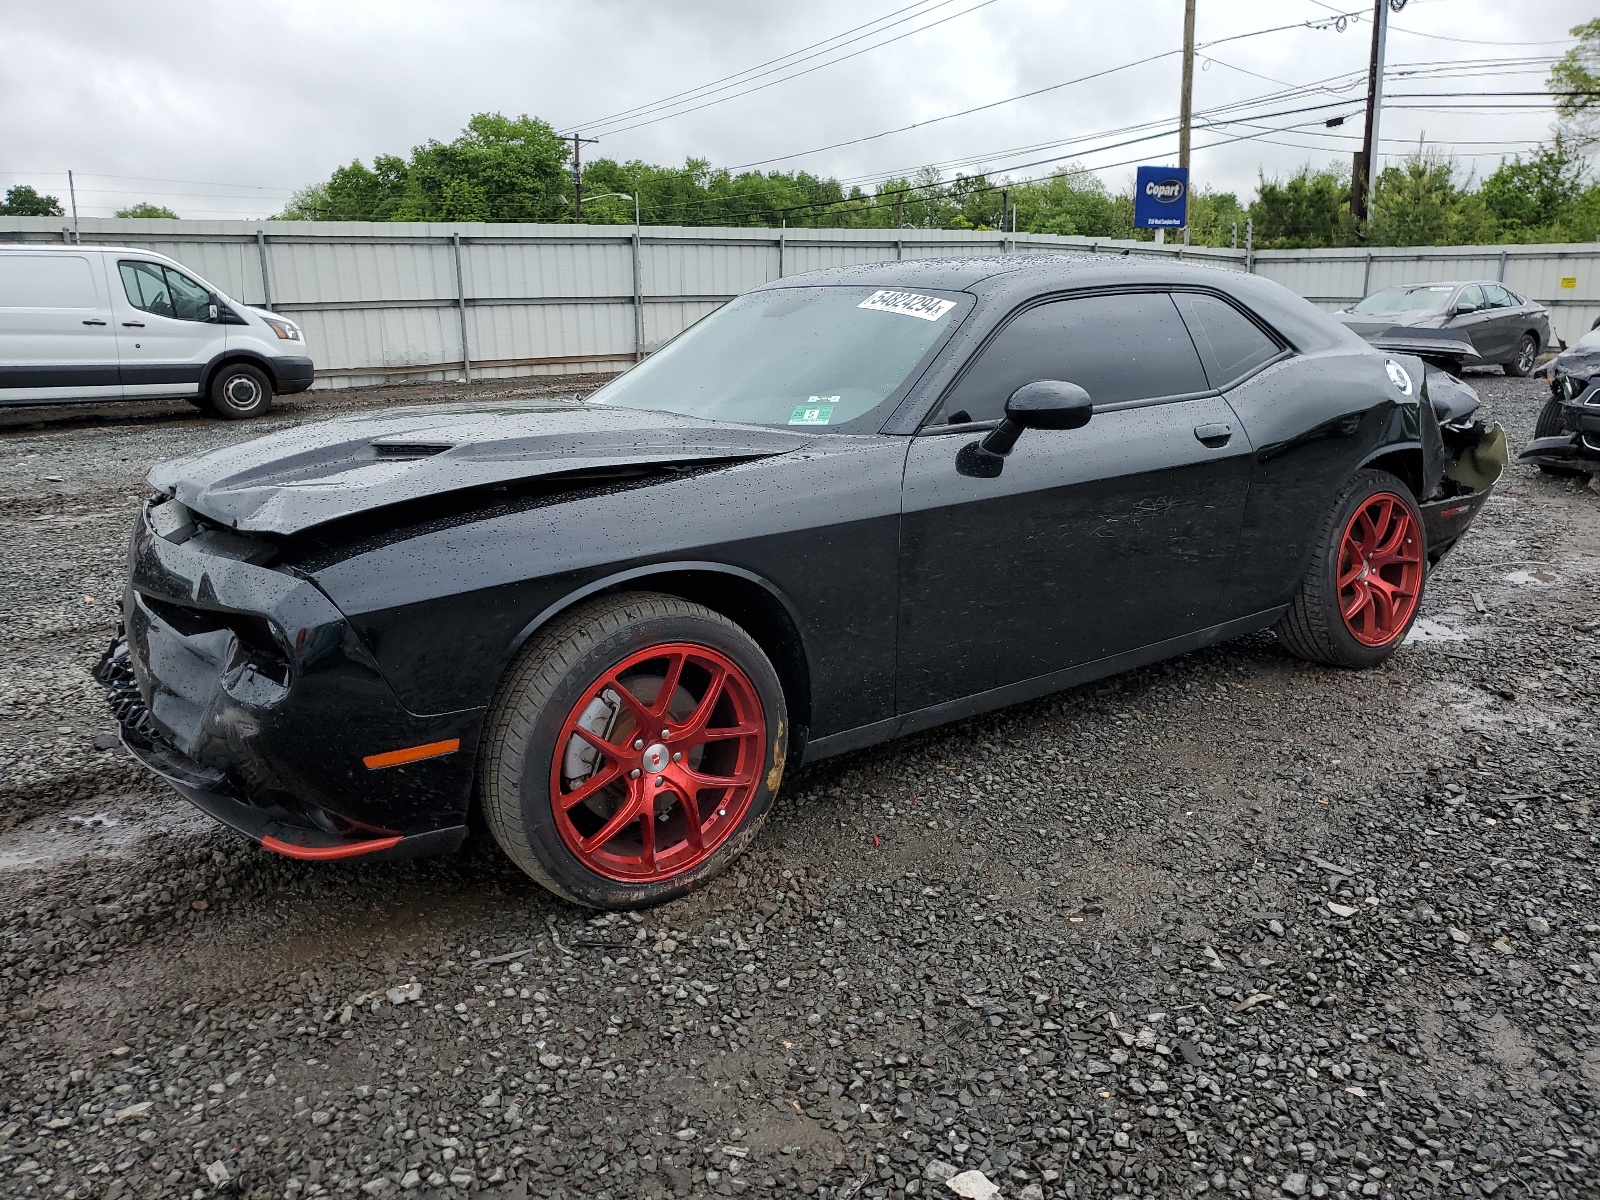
point(239, 391)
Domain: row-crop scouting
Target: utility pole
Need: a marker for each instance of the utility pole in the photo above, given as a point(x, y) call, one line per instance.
point(578, 142)
point(1186, 101)
point(1365, 173)
point(72, 192)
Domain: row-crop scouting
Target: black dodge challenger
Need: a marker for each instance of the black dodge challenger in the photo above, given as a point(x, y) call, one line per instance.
point(844, 507)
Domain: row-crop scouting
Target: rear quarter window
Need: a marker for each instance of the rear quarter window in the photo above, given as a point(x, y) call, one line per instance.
point(46, 281)
point(1231, 345)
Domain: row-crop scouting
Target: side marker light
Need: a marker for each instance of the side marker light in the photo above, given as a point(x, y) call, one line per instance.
point(411, 754)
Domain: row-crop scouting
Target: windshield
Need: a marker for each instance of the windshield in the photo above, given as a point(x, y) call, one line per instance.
point(806, 356)
point(1406, 299)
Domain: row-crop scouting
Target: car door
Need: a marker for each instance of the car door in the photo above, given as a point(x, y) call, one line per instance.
point(1505, 324)
point(1470, 315)
point(165, 331)
point(57, 341)
point(1090, 542)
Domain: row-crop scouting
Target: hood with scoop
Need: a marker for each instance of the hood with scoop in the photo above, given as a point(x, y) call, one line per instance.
point(299, 478)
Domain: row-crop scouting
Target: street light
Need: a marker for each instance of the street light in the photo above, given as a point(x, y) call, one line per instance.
point(634, 196)
point(638, 295)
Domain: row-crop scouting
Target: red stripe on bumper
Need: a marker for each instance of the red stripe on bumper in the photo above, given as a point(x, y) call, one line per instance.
point(324, 853)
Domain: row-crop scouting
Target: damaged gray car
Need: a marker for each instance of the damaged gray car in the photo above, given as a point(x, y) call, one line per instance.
point(1566, 438)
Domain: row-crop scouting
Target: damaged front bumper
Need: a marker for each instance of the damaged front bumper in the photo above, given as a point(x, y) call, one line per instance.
point(1576, 447)
point(245, 689)
point(1475, 456)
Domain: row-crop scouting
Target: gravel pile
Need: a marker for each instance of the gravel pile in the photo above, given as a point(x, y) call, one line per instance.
point(1231, 925)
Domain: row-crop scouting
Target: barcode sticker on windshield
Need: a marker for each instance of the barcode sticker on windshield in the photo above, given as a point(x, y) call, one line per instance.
point(909, 304)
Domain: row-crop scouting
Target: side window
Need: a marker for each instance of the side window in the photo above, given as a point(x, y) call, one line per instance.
point(146, 287)
point(1498, 296)
point(1230, 344)
point(1125, 347)
point(190, 301)
point(160, 290)
point(1472, 294)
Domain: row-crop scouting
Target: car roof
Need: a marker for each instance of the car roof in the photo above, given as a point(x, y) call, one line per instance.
point(1441, 283)
point(1005, 281)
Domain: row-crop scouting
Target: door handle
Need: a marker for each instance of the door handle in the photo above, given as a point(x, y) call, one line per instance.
point(1214, 436)
point(133, 324)
point(94, 322)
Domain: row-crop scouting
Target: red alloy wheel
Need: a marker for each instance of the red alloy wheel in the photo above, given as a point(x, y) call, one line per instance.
point(658, 762)
point(1380, 570)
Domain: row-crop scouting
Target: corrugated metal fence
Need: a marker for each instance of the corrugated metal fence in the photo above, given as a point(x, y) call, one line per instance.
point(381, 302)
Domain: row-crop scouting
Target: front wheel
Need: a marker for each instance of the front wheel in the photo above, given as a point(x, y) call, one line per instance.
point(1521, 363)
point(240, 390)
point(1362, 590)
point(634, 750)
point(1552, 422)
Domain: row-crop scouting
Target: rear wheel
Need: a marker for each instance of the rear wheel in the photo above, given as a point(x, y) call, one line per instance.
point(633, 752)
point(240, 390)
point(1362, 590)
point(1527, 354)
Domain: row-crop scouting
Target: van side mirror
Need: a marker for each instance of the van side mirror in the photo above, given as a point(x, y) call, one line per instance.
point(1046, 404)
point(213, 311)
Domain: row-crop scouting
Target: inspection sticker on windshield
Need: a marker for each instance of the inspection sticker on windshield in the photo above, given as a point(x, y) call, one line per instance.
point(814, 411)
point(909, 304)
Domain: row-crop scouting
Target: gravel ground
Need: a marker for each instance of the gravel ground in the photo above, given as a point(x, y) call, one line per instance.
point(1230, 924)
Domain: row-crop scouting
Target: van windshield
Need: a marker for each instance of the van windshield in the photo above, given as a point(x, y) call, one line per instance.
point(805, 356)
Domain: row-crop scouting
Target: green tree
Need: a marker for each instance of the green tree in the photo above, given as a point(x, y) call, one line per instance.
point(1311, 208)
point(146, 209)
point(23, 201)
point(1215, 217)
point(1575, 82)
point(1071, 200)
point(1419, 203)
point(499, 169)
point(1524, 195)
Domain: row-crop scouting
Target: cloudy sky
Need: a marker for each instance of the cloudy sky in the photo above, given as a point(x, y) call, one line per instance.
point(224, 109)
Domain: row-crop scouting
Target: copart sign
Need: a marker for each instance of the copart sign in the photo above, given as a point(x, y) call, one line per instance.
point(1161, 198)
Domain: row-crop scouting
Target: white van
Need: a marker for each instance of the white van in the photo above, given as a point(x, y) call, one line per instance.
point(102, 323)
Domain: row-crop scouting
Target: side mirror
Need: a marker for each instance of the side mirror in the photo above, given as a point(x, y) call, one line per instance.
point(1047, 404)
point(213, 309)
point(1467, 306)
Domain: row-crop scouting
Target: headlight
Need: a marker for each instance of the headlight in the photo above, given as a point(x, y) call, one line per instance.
point(287, 330)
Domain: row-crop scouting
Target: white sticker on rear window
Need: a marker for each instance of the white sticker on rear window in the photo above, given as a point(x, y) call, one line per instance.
point(909, 304)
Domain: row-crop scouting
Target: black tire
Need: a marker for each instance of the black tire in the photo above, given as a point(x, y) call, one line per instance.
point(239, 391)
point(1313, 628)
point(1522, 362)
point(1550, 422)
point(551, 677)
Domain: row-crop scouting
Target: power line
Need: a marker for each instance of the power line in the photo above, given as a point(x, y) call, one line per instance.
point(778, 63)
point(1011, 99)
point(796, 75)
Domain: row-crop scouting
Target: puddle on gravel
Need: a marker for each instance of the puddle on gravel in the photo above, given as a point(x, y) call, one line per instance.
point(59, 838)
point(1534, 577)
point(1428, 630)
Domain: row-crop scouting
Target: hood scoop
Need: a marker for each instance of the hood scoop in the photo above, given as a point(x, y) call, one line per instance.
point(410, 449)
